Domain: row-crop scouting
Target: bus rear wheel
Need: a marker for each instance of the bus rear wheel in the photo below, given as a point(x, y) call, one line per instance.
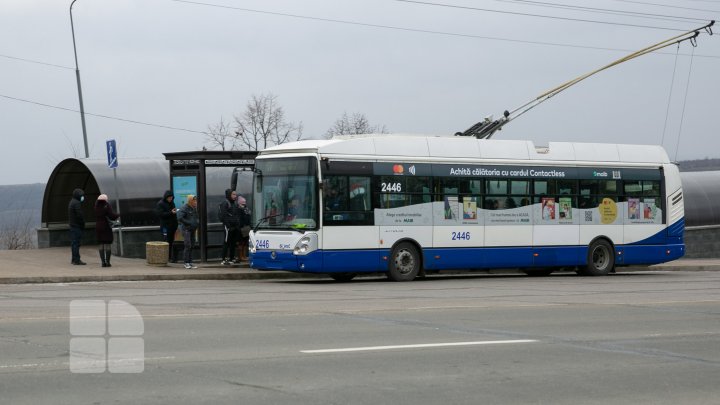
point(343, 277)
point(600, 259)
point(404, 263)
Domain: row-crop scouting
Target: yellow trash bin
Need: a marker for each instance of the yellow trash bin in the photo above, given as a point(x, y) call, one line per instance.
point(157, 253)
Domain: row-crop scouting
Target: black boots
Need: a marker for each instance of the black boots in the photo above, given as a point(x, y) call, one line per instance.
point(105, 257)
point(102, 257)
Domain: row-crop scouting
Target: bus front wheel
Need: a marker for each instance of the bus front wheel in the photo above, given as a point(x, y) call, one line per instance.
point(600, 259)
point(404, 263)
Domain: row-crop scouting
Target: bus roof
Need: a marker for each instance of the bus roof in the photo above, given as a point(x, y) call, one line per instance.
point(399, 146)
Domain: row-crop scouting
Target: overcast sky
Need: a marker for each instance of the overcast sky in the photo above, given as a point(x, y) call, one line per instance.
point(416, 68)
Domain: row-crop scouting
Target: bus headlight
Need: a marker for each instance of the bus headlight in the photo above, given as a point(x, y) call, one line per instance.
point(308, 243)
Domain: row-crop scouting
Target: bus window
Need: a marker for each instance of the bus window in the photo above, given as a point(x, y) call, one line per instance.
point(359, 194)
point(651, 188)
point(335, 189)
point(519, 187)
point(588, 187)
point(608, 187)
point(566, 187)
point(496, 186)
point(544, 187)
point(632, 188)
point(493, 203)
point(587, 202)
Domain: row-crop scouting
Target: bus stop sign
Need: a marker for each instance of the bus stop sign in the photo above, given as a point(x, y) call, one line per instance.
point(111, 153)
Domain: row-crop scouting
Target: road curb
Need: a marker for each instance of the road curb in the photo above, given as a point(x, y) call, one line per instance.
point(212, 273)
point(155, 277)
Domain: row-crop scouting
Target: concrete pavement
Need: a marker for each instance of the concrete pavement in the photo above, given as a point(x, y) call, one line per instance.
point(53, 266)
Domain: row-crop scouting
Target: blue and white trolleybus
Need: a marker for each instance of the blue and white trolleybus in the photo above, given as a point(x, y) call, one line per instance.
point(406, 205)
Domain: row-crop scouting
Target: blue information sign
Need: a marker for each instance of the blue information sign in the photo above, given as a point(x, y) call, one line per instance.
point(111, 153)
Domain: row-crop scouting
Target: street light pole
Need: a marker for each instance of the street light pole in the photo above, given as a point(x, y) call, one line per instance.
point(77, 76)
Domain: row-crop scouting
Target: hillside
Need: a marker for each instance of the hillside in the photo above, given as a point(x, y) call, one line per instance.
point(20, 211)
point(699, 165)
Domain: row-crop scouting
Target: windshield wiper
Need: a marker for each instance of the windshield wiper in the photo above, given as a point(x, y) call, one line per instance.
point(261, 221)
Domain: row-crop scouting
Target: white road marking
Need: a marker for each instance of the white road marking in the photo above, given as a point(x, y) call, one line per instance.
point(416, 346)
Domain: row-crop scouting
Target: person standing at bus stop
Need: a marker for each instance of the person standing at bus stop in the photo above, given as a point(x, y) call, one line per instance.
point(229, 214)
point(166, 211)
point(76, 221)
point(245, 227)
point(103, 228)
point(188, 219)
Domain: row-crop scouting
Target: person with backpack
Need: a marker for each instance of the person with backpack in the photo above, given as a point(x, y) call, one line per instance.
point(229, 215)
point(189, 221)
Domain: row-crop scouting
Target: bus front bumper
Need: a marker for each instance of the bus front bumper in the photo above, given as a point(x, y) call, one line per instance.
point(286, 260)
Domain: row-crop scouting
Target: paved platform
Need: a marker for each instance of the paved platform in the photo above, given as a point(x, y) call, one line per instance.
point(53, 266)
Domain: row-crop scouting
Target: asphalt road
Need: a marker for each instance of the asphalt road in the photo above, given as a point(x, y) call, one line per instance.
point(634, 338)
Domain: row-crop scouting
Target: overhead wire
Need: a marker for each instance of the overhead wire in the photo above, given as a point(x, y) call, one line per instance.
point(424, 31)
point(666, 6)
point(250, 10)
point(672, 84)
point(428, 3)
point(101, 115)
point(36, 62)
point(599, 10)
point(682, 115)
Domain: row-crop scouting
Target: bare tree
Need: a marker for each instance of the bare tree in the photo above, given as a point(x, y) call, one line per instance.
point(18, 235)
point(263, 124)
point(221, 135)
point(356, 124)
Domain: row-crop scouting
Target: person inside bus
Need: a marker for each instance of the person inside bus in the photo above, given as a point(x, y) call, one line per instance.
point(332, 199)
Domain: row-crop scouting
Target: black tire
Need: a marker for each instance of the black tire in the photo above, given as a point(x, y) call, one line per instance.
point(404, 263)
point(600, 259)
point(343, 277)
point(538, 271)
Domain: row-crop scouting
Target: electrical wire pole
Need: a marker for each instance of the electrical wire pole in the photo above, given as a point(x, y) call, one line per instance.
point(77, 76)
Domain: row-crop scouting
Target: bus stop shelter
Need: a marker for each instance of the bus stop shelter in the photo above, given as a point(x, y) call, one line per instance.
point(207, 174)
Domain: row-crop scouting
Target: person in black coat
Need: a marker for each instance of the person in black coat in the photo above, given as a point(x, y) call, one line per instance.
point(166, 211)
point(189, 221)
point(76, 221)
point(230, 218)
point(103, 228)
point(245, 226)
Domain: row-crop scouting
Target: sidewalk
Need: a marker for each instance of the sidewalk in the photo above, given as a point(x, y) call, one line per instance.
point(53, 266)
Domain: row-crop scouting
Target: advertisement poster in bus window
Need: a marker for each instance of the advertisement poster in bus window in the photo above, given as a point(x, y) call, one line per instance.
point(410, 215)
point(608, 211)
point(508, 216)
point(633, 208)
point(565, 207)
point(649, 209)
point(470, 208)
point(451, 208)
point(548, 209)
